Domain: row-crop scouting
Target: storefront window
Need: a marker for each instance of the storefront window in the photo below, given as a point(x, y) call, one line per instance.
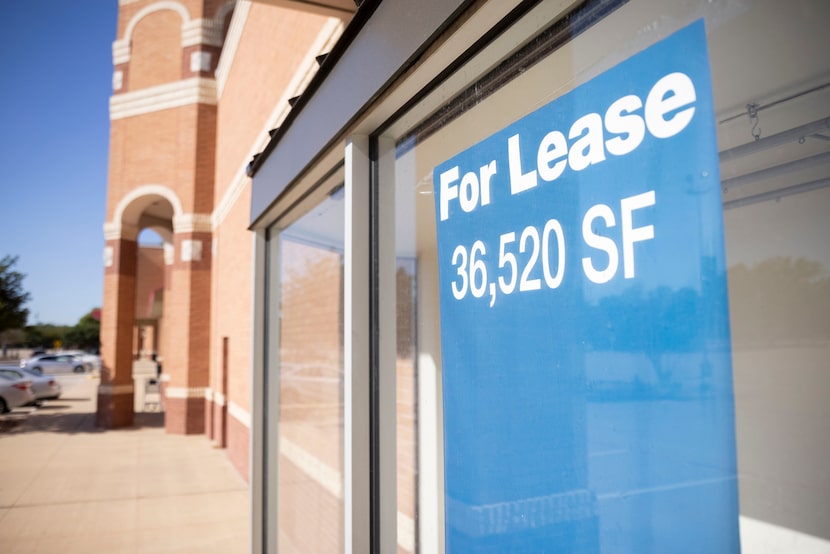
point(310, 376)
point(771, 89)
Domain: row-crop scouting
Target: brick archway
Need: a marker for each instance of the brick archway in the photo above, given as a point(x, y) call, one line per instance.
point(125, 267)
point(184, 335)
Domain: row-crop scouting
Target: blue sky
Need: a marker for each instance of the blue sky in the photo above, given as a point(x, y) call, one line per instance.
point(55, 84)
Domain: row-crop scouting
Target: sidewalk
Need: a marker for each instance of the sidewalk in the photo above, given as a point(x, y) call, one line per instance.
point(67, 486)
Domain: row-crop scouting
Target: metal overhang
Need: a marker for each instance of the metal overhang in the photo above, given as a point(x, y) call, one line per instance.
point(376, 49)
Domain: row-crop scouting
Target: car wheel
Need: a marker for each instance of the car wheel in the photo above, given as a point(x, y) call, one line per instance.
point(78, 369)
point(37, 369)
point(4, 408)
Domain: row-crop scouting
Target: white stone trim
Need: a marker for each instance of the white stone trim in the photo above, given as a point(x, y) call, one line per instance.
point(331, 480)
point(109, 253)
point(194, 31)
point(120, 52)
point(223, 68)
point(117, 223)
point(116, 231)
point(196, 90)
point(209, 394)
point(117, 80)
point(169, 253)
point(240, 414)
point(760, 537)
point(200, 61)
point(115, 389)
point(184, 392)
point(238, 184)
point(191, 250)
point(202, 31)
point(308, 68)
point(327, 477)
point(219, 399)
point(158, 6)
point(192, 223)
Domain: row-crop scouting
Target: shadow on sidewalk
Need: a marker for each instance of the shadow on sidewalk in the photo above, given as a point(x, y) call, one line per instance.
point(50, 418)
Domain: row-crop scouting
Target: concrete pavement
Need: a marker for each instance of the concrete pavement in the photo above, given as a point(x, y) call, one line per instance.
point(67, 486)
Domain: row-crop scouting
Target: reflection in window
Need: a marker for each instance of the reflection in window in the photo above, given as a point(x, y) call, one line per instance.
point(310, 504)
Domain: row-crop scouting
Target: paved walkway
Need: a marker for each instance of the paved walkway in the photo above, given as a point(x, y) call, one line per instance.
point(66, 486)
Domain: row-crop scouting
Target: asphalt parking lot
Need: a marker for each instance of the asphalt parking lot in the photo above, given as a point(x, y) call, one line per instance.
point(67, 486)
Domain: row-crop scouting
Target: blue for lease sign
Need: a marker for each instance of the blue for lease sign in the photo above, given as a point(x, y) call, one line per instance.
point(585, 337)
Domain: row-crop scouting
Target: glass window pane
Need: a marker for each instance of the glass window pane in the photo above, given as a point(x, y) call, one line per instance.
point(771, 76)
point(310, 482)
point(406, 382)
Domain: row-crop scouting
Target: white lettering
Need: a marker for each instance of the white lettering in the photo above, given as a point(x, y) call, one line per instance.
point(599, 242)
point(631, 234)
point(553, 147)
point(588, 149)
point(620, 119)
point(448, 192)
point(486, 173)
point(672, 92)
point(469, 192)
point(519, 182)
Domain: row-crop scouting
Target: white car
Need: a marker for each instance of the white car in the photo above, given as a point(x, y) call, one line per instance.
point(44, 387)
point(14, 393)
point(92, 362)
point(54, 363)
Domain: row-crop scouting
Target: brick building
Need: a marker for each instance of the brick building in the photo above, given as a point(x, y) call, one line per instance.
point(185, 121)
point(289, 153)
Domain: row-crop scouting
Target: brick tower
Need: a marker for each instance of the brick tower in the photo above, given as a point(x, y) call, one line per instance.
point(161, 176)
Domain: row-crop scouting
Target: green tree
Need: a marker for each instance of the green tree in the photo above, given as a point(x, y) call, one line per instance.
point(85, 333)
point(45, 335)
point(12, 296)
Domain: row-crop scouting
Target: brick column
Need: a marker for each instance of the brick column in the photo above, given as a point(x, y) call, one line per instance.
point(115, 393)
point(187, 320)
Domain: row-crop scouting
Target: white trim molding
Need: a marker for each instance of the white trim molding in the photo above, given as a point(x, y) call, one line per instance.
point(115, 389)
point(184, 392)
point(200, 61)
point(192, 223)
point(240, 414)
point(169, 254)
point(118, 224)
point(234, 35)
point(196, 90)
point(120, 52)
point(109, 254)
point(194, 31)
point(327, 477)
point(158, 6)
point(325, 40)
point(202, 31)
point(191, 250)
point(118, 230)
point(219, 399)
point(117, 80)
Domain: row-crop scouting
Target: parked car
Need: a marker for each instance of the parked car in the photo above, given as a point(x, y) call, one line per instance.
point(44, 386)
point(54, 363)
point(91, 361)
point(14, 393)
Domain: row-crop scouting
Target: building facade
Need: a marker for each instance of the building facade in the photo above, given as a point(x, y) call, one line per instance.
point(303, 163)
point(185, 121)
